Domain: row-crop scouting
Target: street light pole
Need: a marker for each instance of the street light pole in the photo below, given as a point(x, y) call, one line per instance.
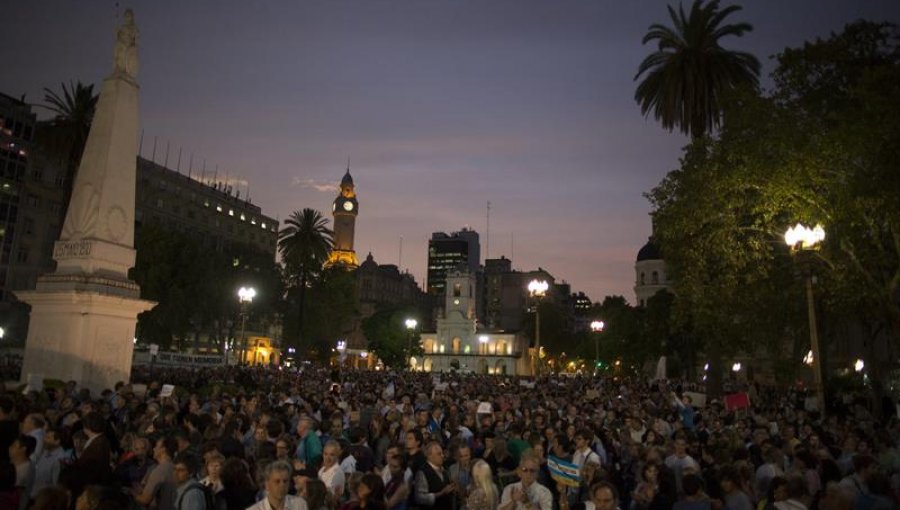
point(537, 289)
point(245, 297)
point(802, 238)
point(410, 327)
point(597, 328)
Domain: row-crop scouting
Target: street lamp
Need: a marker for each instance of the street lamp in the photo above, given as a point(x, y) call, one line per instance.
point(597, 328)
point(410, 327)
point(245, 297)
point(803, 238)
point(537, 289)
point(859, 365)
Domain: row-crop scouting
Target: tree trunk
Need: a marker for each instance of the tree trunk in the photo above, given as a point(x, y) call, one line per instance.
point(716, 371)
point(301, 300)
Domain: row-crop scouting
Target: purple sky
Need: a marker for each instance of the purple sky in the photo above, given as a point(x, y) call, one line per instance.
point(441, 106)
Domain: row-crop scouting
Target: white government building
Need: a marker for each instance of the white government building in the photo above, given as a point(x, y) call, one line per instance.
point(458, 345)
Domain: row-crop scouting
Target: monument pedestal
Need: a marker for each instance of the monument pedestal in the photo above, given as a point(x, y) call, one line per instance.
point(81, 336)
point(83, 315)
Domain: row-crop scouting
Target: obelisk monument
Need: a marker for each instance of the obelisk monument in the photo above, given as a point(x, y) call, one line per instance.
point(83, 315)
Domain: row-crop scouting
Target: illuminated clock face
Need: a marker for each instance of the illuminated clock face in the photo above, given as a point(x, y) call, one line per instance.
point(348, 206)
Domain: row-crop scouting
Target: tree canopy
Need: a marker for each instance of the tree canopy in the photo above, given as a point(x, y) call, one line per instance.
point(822, 147)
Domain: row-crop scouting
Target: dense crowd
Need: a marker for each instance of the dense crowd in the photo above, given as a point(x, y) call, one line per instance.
point(322, 439)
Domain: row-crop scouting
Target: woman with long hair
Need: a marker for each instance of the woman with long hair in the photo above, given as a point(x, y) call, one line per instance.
point(484, 494)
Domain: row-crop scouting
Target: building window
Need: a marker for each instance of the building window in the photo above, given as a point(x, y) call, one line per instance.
point(457, 290)
point(654, 278)
point(159, 203)
point(643, 279)
point(456, 345)
point(22, 255)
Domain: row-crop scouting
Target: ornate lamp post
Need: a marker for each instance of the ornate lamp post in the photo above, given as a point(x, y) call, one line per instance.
point(245, 297)
point(802, 238)
point(537, 289)
point(410, 329)
point(597, 328)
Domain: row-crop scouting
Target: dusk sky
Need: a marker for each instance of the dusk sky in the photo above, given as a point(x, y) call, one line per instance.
point(441, 106)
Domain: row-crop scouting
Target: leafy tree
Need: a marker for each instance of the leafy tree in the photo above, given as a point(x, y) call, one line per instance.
point(685, 78)
point(331, 311)
point(388, 337)
point(304, 244)
point(174, 270)
point(822, 147)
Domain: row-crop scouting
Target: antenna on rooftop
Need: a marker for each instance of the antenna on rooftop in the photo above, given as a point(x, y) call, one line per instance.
point(487, 235)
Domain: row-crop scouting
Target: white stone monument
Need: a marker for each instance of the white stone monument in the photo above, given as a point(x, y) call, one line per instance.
point(83, 315)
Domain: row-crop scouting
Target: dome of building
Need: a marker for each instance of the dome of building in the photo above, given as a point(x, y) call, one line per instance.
point(347, 180)
point(649, 251)
point(369, 263)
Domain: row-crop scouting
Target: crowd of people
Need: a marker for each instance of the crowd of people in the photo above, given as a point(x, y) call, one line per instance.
point(265, 438)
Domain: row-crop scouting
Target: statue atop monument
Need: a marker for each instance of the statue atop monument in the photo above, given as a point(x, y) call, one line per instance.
point(126, 57)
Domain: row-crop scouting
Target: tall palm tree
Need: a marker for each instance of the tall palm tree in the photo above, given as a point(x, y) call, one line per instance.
point(65, 135)
point(304, 243)
point(684, 79)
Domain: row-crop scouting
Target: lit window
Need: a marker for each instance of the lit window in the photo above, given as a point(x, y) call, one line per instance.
point(231, 212)
point(442, 348)
point(468, 349)
point(219, 208)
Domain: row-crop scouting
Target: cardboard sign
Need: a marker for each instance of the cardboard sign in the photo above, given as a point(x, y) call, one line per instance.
point(697, 399)
point(154, 349)
point(167, 390)
point(485, 408)
point(139, 389)
point(35, 383)
point(591, 394)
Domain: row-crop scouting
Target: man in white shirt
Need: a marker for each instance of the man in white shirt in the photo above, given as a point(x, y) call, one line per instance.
point(278, 481)
point(330, 472)
point(680, 462)
point(526, 494)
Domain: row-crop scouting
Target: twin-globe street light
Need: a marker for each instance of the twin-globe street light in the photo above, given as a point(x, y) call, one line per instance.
point(245, 297)
point(597, 328)
point(803, 238)
point(537, 289)
point(410, 327)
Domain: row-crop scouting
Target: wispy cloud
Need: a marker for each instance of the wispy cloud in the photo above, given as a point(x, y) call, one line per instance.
point(306, 183)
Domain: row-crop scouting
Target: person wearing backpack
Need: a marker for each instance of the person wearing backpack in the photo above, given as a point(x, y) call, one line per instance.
point(191, 494)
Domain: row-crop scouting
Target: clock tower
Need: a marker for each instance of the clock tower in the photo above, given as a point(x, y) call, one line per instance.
point(344, 210)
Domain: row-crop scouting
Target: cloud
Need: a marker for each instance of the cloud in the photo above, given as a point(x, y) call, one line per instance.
point(323, 186)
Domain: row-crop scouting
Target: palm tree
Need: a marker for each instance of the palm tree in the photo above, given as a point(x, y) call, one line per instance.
point(685, 78)
point(66, 133)
point(304, 244)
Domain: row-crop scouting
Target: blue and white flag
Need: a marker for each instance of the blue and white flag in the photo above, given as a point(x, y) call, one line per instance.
point(564, 472)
